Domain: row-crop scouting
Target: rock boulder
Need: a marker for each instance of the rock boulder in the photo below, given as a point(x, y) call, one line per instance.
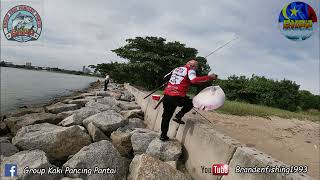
point(136, 123)
point(60, 107)
point(7, 149)
point(108, 101)
point(58, 142)
point(135, 113)
point(121, 139)
point(124, 105)
point(147, 167)
point(140, 140)
point(95, 133)
point(127, 96)
point(78, 116)
point(15, 123)
point(107, 121)
point(98, 106)
point(31, 159)
point(100, 154)
point(79, 102)
point(165, 150)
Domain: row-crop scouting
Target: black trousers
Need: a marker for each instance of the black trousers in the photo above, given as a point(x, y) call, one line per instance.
point(106, 82)
point(170, 104)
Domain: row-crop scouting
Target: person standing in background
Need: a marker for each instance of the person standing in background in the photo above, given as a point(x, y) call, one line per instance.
point(106, 82)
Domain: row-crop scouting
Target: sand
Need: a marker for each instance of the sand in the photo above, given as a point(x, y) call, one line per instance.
point(291, 141)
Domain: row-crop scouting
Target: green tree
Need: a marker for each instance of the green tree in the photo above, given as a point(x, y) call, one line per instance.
point(149, 59)
point(306, 100)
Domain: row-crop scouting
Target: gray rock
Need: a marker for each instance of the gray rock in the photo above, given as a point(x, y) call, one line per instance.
point(165, 150)
point(61, 107)
point(147, 167)
point(115, 94)
point(107, 121)
point(100, 154)
point(79, 102)
point(58, 142)
point(65, 114)
point(141, 140)
point(95, 133)
point(93, 98)
point(135, 113)
point(31, 159)
point(15, 123)
point(83, 129)
point(98, 106)
point(108, 101)
point(116, 108)
point(136, 123)
point(7, 149)
point(5, 139)
point(3, 128)
point(172, 163)
point(121, 139)
point(24, 111)
point(66, 101)
point(83, 95)
point(78, 116)
point(128, 105)
point(102, 93)
point(127, 96)
point(143, 130)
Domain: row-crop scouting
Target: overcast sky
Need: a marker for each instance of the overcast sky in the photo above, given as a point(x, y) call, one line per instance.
point(79, 32)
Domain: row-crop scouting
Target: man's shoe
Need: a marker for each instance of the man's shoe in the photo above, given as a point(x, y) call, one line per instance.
point(178, 120)
point(164, 138)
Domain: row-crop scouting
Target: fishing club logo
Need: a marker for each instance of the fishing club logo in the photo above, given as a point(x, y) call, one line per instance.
point(22, 24)
point(297, 21)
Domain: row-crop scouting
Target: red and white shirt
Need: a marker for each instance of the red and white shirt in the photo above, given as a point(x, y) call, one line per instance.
point(181, 79)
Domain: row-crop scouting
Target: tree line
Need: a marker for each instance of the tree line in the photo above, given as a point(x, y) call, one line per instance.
point(150, 58)
point(283, 94)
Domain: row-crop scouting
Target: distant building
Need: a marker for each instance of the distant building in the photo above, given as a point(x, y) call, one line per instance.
point(28, 64)
point(8, 63)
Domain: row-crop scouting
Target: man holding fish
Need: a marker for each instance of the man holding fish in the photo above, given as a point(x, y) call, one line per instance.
point(176, 91)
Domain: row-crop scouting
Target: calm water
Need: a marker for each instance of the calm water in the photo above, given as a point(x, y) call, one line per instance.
point(21, 87)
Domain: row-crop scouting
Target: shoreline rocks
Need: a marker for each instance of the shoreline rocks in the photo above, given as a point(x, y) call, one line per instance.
point(15, 123)
point(100, 154)
point(58, 142)
point(147, 167)
point(31, 159)
point(108, 121)
point(60, 107)
point(103, 129)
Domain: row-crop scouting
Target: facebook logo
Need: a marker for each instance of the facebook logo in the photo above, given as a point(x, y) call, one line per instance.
point(10, 170)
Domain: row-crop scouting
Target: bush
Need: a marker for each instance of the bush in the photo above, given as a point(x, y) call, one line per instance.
point(260, 90)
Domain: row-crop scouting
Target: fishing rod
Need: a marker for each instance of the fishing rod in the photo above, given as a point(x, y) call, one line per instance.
point(220, 47)
point(201, 115)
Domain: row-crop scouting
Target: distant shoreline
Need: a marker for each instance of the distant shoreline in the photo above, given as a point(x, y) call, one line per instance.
point(54, 71)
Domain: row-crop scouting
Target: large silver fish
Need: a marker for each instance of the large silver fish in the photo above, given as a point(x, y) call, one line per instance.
point(209, 98)
point(22, 21)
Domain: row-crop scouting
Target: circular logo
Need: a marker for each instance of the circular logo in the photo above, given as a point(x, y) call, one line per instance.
point(297, 21)
point(22, 23)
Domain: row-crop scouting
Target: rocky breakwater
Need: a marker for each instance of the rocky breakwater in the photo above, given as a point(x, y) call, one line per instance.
point(95, 135)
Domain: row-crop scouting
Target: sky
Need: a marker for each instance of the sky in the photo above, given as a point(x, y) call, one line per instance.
point(82, 32)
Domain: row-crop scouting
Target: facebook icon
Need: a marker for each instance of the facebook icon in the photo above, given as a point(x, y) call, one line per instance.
point(10, 170)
